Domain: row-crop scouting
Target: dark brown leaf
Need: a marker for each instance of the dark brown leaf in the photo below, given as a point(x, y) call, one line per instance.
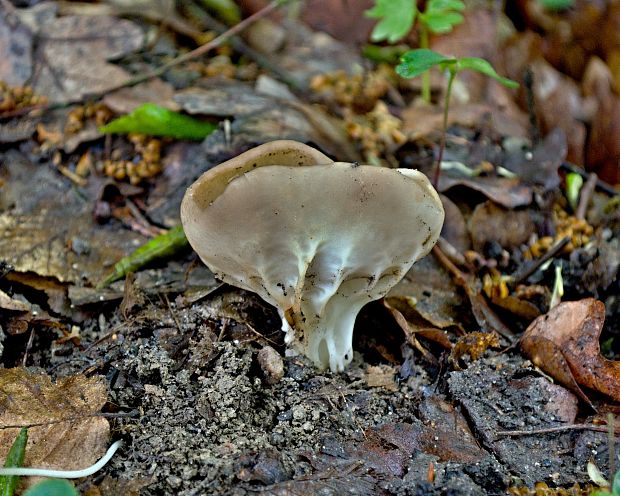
point(565, 344)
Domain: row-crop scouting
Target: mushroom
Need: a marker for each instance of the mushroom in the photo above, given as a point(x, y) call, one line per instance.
point(315, 238)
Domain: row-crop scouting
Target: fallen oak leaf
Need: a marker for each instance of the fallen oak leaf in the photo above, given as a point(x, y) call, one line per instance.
point(565, 342)
point(63, 433)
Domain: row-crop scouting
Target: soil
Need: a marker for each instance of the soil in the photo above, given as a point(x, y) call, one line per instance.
point(206, 420)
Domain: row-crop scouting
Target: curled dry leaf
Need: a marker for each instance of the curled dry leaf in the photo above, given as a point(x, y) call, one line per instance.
point(565, 344)
point(65, 432)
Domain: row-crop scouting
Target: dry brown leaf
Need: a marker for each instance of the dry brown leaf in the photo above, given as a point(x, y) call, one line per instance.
point(8, 303)
point(72, 54)
point(508, 192)
point(565, 344)
point(509, 228)
point(28, 398)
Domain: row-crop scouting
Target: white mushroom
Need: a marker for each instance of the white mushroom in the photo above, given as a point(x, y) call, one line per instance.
point(315, 238)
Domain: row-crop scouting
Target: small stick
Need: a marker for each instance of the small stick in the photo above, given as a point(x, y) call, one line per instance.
point(451, 252)
point(611, 441)
point(133, 413)
point(28, 347)
point(586, 195)
point(549, 430)
point(528, 82)
point(521, 275)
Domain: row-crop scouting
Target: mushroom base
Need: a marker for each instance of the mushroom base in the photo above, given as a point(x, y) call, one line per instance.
point(327, 341)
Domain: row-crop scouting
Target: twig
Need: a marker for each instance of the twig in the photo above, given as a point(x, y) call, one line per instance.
point(132, 413)
point(522, 274)
point(28, 347)
point(587, 191)
point(549, 430)
point(528, 83)
point(611, 442)
point(197, 52)
point(451, 251)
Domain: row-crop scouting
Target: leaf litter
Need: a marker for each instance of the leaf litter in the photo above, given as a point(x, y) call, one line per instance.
point(433, 401)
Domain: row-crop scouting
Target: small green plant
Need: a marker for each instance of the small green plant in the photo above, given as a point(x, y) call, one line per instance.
point(155, 120)
point(418, 62)
point(397, 18)
point(15, 458)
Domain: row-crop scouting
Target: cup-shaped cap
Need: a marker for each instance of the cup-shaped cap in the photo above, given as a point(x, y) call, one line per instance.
point(317, 239)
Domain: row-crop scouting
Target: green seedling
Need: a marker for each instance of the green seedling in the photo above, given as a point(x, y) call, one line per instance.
point(397, 18)
point(227, 10)
point(159, 247)
point(15, 458)
point(574, 182)
point(52, 487)
point(417, 62)
point(154, 120)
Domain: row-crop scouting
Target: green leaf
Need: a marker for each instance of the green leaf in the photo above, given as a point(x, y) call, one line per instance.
point(52, 487)
point(441, 16)
point(162, 246)
point(574, 182)
point(615, 485)
point(15, 458)
point(397, 18)
point(437, 5)
point(443, 22)
point(556, 5)
point(227, 10)
point(159, 121)
point(484, 67)
point(415, 62)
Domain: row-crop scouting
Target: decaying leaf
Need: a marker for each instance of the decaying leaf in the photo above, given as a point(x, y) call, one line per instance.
point(437, 298)
point(65, 433)
point(509, 228)
point(41, 216)
point(62, 70)
point(565, 344)
point(508, 192)
point(8, 303)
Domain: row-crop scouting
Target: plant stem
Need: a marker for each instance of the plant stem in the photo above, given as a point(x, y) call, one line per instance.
point(444, 130)
point(426, 77)
point(611, 442)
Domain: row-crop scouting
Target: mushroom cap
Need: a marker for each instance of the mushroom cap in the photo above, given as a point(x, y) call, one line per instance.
point(318, 240)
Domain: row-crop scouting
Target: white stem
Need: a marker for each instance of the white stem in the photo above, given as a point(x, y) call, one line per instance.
point(64, 474)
